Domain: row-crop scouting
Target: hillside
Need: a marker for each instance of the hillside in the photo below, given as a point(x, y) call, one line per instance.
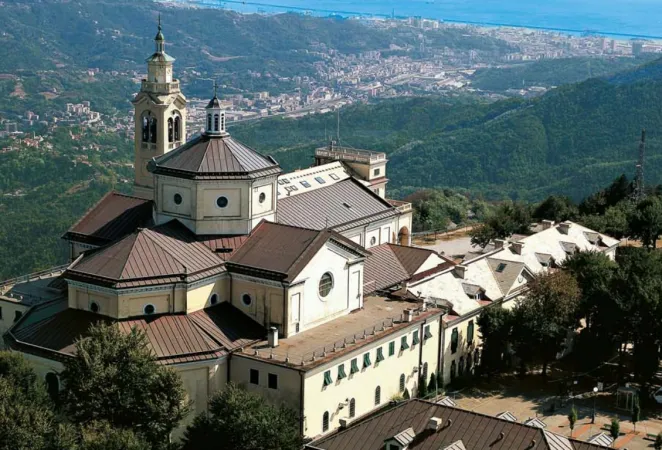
point(571, 141)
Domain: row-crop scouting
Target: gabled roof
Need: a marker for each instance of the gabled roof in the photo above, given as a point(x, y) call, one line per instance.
point(284, 250)
point(476, 431)
point(404, 438)
point(458, 445)
point(214, 157)
point(505, 272)
point(382, 269)
point(111, 218)
point(507, 415)
point(173, 338)
point(535, 422)
point(341, 206)
point(601, 439)
point(164, 254)
point(411, 258)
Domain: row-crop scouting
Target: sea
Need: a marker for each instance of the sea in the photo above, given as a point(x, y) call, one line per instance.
point(618, 18)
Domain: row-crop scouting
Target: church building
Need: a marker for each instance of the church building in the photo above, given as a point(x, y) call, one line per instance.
point(300, 286)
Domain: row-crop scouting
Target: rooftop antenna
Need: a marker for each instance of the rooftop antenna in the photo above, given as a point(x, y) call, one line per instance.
point(215, 88)
point(338, 127)
point(639, 193)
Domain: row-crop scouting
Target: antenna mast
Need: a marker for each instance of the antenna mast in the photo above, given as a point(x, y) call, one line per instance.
point(639, 193)
point(338, 127)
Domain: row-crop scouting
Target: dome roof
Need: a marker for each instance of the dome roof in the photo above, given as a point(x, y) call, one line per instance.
point(214, 157)
point(214, 103)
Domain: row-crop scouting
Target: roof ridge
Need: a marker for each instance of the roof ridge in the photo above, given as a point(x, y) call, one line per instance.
point(90, 209)
point(167, 252)
point(306, 249)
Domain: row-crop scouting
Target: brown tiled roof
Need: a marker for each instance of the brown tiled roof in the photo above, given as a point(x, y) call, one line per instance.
point(163, 254)
point(382, 269)
point(411, 258)
point(223, 246)
point(214, 157)
point(175, 338)
point(112, 217)
point(339, 206)
point(476, 431)
point(284, 249)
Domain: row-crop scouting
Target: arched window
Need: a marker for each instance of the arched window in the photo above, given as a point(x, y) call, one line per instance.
point(402, 382)
point(152, 131)
point(352, 408)
point(209, 122)
point(171, 130)
point(453, 370)
point(378, 395)
point(325, 421)
point(52, 385)
point(215, 122)
point(178, 128)
point(145, 125)
point(222, 121)
point(425, 372)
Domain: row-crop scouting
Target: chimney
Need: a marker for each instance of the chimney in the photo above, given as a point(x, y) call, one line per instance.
point(434, 424)
point(272, 337)
point(547, 224)
point(499, 243)
point(517, 247)
point(409, 315)
point(564, 227)
point(344, 422)
point(460, 270)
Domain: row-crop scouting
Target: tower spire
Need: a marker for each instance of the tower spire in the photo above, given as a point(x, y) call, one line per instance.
point(215, 116)
point(159, 39)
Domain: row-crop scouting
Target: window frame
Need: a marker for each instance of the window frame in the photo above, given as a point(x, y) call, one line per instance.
point(380, 355)
point(341, 372)
point(331, 284)
point(352, 408)
point(402, 383)
point(403, 343)
point(219, 201)
point(427, 334)
point(272, 377)
point(378, 395)
point(255, 372)
point(455, 340)
point(366, 360)
point(470, 335)
point(325, 421)
point(243, 299)
point(391, 348)
point(415, 339)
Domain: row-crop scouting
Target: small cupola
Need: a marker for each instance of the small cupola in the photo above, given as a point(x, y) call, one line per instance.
point(159, 39)
point(215, 117)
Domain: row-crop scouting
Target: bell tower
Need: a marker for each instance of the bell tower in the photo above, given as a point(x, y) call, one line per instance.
point(160, 116)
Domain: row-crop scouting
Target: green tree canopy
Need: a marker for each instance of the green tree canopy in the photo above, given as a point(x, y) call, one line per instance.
point(646, 222)
point(495, 325)
point(115, 378)
point(241, 419)
point(557, 208)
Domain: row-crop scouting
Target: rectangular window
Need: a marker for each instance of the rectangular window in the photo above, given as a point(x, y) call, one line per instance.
point(377, 172)
point(391, 348)
point(305, 184)
point(354, 366)
point(327, 378)
point(415, 340)
point(320, 180)
point(334, 176)
point(273, 381)
point(380, 355)
point(255, 376)
point(403, 344)
point(366, 360)
point(428, 334)
point(341, 372)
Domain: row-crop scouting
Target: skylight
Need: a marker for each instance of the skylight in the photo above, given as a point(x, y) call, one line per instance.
point(320, 180)
point(501, 267)
point(334, 176)
point(305, 184)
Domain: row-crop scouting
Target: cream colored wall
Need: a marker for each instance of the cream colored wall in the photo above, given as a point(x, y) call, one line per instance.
point(378, 230)
point(9, 310)
point(267, 305)
point(199, 298)
point(292, 313)
point(361, 386)
point(167, 204)
point(82, 298)
point(463, 348)
point(315, 309)
point(289, 380)
point(43, 366)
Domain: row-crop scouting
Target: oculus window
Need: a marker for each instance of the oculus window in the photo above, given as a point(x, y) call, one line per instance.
point(149, 309)
point(262, 197)
point(222, 201)
point(177, 199)
point(325, 285)
point(246, 299)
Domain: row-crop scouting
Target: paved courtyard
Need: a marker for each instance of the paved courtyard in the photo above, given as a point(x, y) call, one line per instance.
point(525, 400)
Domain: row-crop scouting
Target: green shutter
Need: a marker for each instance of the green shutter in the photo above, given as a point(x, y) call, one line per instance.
point(415, 340)
point(391, 348)
point(404, 345)
point(341, 372)
point(427, 334)
point(380, 355)
point(354, 366)
point(366, 360)
point(455, 337)
point(327, 378)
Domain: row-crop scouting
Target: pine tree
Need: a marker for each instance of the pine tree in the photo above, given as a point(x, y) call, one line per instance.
point(422, 387)
point(658, 442)
point(615, 429)
point(572, 418)
point(406, 395)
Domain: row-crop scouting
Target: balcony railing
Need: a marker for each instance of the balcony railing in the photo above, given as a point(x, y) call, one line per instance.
point(400, 205)
point(165, 88)
point(350, 154)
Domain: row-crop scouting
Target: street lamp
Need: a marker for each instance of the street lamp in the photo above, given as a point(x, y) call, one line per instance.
point(595, 394)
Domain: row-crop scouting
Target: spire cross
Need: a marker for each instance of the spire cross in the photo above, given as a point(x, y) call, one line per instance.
point(215, 87)
point(159, 21)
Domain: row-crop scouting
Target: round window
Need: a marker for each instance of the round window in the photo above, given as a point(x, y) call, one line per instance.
point(178, 199)
point(94, 307)
point(149, 309)
point(373, 240)
point(326, 284)
point(213, 299)
point(246, 299)
point(262, 197)
point(222, 202)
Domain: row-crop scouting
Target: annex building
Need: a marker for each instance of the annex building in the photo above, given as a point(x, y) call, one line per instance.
point(301, 286)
